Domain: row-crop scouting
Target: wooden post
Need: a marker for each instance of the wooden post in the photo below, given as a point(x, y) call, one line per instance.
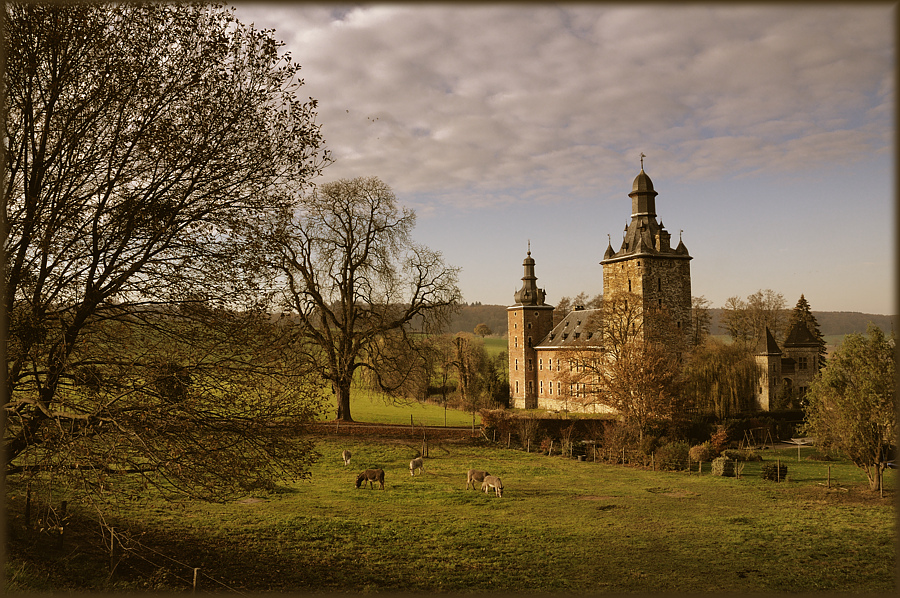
point(551, 449)
point(777, 470)
point(508, 439)
point(653, 461)
point(196, 570)
point(828, 485)
point(528, 445)
point(112, 549)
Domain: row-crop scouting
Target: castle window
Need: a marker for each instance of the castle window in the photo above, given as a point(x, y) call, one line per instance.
point(590, 334)
point(577, 334)
point(517, 365)
point(529, 325)
point(530, 365)
point(629, 285)
point(542, 387)
point(550, 364)
point(659, 284)
point(516, 342)
point(660, 303)
point(551, 387)
point(540, 364)
point(802, 362)
point(517, 387)
point(529, 342)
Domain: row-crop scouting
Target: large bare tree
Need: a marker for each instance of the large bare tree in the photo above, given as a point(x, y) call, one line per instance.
point(142, 144)
point(362, 290)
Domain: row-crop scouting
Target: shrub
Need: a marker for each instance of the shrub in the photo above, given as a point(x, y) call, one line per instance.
point(673, 456)
point(701, 452)
point(774, 472)
point(723, 466)
point(741, 455)
point(719, 440)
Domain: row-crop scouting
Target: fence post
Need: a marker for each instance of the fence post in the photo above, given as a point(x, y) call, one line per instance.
point(196, 570)
point(777, 470)
point(653, 461)
point(828, 485)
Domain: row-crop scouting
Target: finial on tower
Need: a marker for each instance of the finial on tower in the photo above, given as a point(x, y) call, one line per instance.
point(643, 155)
point(529, 246)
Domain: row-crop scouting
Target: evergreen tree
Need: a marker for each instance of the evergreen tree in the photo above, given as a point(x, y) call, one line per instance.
point(803, 314)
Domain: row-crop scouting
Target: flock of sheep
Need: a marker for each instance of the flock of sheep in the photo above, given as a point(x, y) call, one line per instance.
point(370, 476)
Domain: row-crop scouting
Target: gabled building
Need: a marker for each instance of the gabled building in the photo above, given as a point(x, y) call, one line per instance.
point(788, 371)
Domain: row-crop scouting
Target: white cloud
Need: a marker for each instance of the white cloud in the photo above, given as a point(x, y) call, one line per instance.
point(464, 107)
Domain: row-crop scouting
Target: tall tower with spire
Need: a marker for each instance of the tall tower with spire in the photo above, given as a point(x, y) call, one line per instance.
point(649, 270)
point(529, 320)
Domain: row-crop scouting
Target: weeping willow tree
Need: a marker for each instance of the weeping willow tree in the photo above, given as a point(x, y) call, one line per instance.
point(721, 377)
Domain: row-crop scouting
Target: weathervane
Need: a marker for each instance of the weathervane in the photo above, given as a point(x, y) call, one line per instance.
point(643, 155)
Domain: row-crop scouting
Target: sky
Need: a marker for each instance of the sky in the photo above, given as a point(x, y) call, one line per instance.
point(768, 132)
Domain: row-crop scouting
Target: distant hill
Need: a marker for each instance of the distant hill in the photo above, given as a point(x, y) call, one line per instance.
point(831, 323)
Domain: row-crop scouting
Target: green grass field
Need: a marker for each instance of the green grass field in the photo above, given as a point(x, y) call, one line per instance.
point(562, 526)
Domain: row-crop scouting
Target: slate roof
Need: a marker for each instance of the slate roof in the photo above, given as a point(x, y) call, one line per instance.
point(801, 336)
point(581, 327)
point(767, 345)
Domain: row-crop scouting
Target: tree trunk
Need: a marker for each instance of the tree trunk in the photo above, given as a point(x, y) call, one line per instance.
point(343, 401)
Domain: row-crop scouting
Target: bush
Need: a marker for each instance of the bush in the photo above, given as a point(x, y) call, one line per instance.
point(702, 452)
point(673, 456)
point(774, 472)
point(741, 455)
point(719, 440)
point(723, 466)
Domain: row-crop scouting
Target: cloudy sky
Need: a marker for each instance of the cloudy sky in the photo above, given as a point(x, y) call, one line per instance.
point(768, 134)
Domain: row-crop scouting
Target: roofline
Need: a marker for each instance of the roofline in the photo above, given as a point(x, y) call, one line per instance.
point(666, 256)
point(520, 305)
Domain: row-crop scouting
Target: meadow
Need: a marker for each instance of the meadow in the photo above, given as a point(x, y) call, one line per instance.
point(562, 526)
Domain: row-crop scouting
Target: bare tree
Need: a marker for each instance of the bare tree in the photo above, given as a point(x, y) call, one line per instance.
point(141, 144)
point(746, 321)
point(701, 319)
point(359, 286)
point(633, 367)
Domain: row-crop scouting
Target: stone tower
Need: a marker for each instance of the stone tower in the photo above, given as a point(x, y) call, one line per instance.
point(529, 320)
point(647, 267)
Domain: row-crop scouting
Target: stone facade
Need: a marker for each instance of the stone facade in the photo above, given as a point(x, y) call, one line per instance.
point(786, 372)
point(528, 321)
point(646, 267)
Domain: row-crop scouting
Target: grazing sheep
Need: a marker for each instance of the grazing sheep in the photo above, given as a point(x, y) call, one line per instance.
point(417, 463)
point(492, 481)
point(345, 455)
point(370, 476)
point(474, 475)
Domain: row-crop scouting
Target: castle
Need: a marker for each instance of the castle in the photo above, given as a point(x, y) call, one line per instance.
point(649, 282)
